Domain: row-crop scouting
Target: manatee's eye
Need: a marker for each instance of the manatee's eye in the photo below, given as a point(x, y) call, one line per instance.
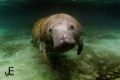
point(71, 27)
point(50, 30)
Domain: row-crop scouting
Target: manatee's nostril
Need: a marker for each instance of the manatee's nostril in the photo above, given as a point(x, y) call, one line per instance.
point(60, 36)
point(65, 36)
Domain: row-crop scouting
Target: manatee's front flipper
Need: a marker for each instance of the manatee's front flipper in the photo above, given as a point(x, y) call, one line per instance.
point(80, 46)
point(43, 52)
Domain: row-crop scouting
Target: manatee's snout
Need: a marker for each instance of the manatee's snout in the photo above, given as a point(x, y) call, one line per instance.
point(64, 40)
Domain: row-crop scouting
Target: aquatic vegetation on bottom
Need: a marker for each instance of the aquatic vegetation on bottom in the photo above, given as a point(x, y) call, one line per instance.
point(94, 63)
point(11, 49)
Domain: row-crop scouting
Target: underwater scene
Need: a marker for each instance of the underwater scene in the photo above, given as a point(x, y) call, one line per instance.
point(99, 56)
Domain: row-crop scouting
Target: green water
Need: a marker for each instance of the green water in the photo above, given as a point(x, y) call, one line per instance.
point(99, 60)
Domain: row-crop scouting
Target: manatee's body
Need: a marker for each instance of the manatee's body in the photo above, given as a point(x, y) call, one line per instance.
point(57, 33)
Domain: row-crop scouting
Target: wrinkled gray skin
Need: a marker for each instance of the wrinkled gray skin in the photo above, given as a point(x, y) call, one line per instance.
point(63, 34)
point(63, 38)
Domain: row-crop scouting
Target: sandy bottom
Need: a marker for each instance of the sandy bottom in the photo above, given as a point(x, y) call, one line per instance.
point(99, 60)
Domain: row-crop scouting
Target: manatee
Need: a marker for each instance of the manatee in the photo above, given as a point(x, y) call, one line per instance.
point(56, 34)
